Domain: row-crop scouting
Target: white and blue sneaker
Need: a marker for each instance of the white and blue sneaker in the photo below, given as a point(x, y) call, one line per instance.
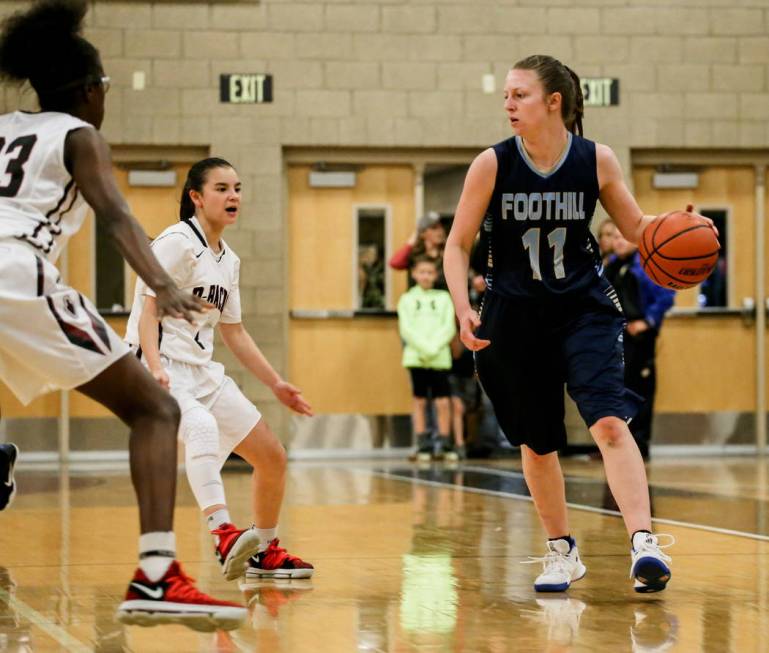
point(649, 565)
point(562, 566)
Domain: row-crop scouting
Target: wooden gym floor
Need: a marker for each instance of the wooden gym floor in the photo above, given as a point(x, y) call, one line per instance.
point(407, 559)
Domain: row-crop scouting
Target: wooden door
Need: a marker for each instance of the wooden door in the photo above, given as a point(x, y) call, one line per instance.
point(345, 364)
point(707, 364)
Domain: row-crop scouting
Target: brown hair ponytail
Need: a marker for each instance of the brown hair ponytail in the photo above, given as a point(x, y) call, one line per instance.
point(196, 177)
point(558, 78)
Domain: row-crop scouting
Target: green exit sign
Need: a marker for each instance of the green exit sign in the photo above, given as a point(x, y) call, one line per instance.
point(245, 88)
point(600, 91)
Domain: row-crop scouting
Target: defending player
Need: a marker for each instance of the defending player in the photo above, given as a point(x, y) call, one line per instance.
point(55, 164)
point(550, 317)
point(216, 417)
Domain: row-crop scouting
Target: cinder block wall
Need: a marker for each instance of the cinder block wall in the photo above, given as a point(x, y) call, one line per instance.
point(693, 73)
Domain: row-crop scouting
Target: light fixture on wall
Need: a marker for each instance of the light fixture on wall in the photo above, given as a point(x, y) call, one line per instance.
point(667, 177)
point(323, 175)
point(154, 178)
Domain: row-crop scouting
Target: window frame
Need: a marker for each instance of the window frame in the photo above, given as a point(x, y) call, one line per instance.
point(356, 211)
point(732, 302)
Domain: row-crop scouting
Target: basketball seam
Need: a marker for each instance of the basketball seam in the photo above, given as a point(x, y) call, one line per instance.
point(649, 253)
point(655, 250)
point(684, 282)
point(680, 233)
point(687, 258)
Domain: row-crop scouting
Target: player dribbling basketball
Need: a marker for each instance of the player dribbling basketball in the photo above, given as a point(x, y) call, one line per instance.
point(550, 316)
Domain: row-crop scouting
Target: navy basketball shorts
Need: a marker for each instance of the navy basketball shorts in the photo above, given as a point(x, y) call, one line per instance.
point(537, 346)
point(427, 383)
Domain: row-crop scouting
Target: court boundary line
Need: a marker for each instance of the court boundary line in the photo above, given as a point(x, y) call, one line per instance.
point(575, 506)
point(46, 625)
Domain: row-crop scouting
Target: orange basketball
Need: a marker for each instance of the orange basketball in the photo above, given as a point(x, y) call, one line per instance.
point(678, 250)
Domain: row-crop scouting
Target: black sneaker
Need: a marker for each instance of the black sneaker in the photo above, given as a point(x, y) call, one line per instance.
point(444, 449)
point(8, 454)
point(425, 447)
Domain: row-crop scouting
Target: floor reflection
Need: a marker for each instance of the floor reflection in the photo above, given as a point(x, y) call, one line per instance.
point(408, 561)
point(735, 513)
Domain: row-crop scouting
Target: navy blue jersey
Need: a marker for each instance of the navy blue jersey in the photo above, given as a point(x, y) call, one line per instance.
point(538, 225)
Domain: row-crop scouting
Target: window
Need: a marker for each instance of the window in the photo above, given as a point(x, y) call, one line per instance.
point(714, 291)
point(110, 272)
point(371, 230)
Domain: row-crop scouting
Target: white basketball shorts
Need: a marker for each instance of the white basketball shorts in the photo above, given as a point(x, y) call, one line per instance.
point(52, 337)
point(208, 386)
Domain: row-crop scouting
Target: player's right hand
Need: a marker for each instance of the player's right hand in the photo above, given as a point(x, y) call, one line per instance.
point(172, 302)
point(711, 224)
point(161, 377)
point(469, 321)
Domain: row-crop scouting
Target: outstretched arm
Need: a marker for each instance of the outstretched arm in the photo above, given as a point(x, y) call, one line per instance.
point(619, 202)
point(88, 159)
point(616, 198)
point(240, 343)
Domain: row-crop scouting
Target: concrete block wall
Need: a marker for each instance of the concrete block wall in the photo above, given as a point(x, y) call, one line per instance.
point(382, 73)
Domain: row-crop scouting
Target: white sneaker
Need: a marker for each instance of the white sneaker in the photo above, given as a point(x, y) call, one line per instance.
point(648, 566)
point(655, 629)
point(562, 566)
point(561, 615)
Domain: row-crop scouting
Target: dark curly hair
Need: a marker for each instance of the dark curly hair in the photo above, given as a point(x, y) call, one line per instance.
point(43, 44)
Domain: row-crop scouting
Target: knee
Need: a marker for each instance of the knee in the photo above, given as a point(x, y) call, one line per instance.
point(609, 431)
point(442, 403)
point(275, 457)
point(200, 434)
point(534, 459)
point(165, 409)
point(264, 453)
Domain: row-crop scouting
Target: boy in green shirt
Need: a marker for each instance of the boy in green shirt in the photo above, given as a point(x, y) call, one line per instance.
point(426, 324)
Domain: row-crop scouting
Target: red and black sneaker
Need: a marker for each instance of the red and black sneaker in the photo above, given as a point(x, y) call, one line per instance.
point(233, 549)
point(276, 562)
point(174, 599)
point(265, 598)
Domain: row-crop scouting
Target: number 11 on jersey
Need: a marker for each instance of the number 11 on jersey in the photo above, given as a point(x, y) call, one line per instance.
point(556, 239)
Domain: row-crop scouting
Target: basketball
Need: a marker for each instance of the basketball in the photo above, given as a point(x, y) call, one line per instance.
point(679, 250)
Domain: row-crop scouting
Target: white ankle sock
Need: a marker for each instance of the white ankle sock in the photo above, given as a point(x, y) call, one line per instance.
point(266, 535)
point(216, 519)
point(639, 537)
point(157, 551)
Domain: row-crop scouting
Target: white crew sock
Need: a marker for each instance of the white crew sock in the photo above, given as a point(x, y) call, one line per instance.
point(266, 535)
point(639, 537)
point(216, 519)
point(157, 551)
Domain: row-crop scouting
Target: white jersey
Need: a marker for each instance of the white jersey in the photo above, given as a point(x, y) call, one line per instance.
point(39, 202)
point(214, 276)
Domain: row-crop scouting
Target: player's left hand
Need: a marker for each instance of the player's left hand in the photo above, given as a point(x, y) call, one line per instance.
point(690, 209)
point(291, 397)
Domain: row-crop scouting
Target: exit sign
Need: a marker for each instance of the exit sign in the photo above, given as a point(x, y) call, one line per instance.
point(251, 88)
point(600, 91)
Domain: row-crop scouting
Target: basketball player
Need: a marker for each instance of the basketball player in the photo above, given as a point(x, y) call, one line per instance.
point(54, 165)
point(216, 417)
point(549, 315)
